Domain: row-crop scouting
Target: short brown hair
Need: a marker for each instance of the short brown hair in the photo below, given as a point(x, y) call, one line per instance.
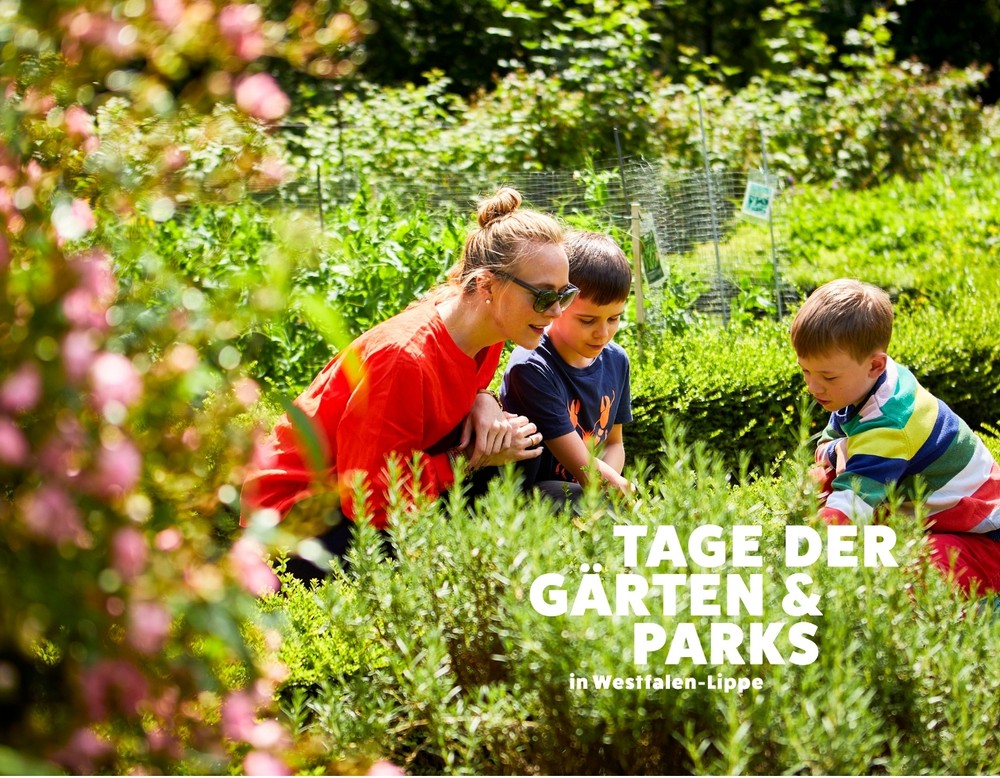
point(845, 314)
point(598, 266)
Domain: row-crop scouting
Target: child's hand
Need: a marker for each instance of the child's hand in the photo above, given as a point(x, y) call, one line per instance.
point(822, 476)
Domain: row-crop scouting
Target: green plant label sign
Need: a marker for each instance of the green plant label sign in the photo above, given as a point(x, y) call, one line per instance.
point(757, 200)
point(650, 250)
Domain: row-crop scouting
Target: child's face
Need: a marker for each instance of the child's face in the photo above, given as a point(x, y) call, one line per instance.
point(584, 329)
point(836, 379)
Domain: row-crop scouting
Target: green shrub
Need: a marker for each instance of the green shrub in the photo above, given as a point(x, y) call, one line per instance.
point(300, 291)
point(738, 389)
point(476, 681)
point(930, 238)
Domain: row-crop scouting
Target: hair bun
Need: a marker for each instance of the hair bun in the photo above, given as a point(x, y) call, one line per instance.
point(503, 203)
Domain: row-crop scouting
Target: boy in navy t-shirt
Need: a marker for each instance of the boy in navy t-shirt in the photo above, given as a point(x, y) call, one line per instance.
point(575, 385)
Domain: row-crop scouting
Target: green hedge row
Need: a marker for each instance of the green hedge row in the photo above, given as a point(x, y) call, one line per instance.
point(739, 389)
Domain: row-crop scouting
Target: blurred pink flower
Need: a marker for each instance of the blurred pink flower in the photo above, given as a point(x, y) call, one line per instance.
point(114, 378)
point(14, 448)
point(119, 465)
point(168, 12)
point(86, 305)
point(269, 734)
point(78, 351)
point(129, 553)
point(238, 712)
point(49, 513)
point(82, 752)
point(260, 96)
point(252, 572)
point(79, 123)
point(96, 275)
point(165, 743)
point(263, 763)
point(22, 390)
point(240, 26)
point(148, 627)
point(112, 685)
point(174, 158)
point(274, 169)
point(62, 453)
point(169, 539)
point(191, 438)
point(82, 310)
point(74, 220)
point(384, 767)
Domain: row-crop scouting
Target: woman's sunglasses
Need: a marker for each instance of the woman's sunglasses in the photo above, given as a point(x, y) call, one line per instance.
point(544, 298)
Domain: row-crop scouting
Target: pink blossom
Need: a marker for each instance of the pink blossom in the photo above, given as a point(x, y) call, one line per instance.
point(96, 275)
point(79, 123)
point(86, 305)
point(269, 734)
point(247, 391)
point(384, 767)
point(165, 743)
point(22, 390)
point(114, 378)
point(112, 685)
point(129, 553)
point(252, 572)
point(74, 220)
point(119, 465)
point(149, 626)
point(240, 26)
point(263, 763)
point(82, 752)
point(238, 712)
point(14, 447)
point(62, 452)
point(168, 12)
point(50, 514)
point(260, 96)
point(174, 158)
point(191, 438)
point(274, 169)
point(169, 539)
point(78, 350)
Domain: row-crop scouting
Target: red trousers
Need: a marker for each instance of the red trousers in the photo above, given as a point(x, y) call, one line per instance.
point(969, 558)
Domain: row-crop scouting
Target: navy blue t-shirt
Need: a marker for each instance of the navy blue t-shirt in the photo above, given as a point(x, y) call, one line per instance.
point(561, 399)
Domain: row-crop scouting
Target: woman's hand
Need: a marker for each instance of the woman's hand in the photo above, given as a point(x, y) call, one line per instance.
point(525, 443)
point(511, 438)
point(486, 431)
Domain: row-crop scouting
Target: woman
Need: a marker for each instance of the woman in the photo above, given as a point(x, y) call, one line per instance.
point(413, 389)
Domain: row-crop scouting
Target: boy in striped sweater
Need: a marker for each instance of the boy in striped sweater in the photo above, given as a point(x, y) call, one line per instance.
point(885, 429)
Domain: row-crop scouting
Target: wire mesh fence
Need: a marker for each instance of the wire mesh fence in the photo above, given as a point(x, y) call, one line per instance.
point(715, 229)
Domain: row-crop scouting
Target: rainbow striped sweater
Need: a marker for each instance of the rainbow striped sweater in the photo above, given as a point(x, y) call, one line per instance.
point(901, 437)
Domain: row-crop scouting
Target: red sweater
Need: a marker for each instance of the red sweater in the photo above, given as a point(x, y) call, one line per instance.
point(402, 387)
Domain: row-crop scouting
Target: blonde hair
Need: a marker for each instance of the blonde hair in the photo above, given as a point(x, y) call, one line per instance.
point(505, 233)
point(845, 314)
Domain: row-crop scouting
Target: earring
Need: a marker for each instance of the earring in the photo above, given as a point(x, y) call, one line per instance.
point(489, 300)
